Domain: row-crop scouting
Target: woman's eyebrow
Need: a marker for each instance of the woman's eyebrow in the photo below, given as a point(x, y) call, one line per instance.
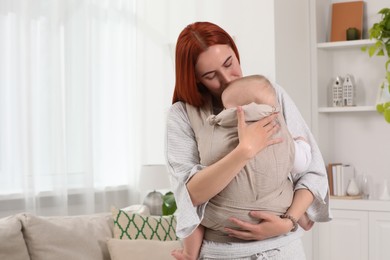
point(224, 63)
point(228, 58)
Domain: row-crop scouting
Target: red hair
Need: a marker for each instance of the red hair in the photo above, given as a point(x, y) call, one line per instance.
point(192, 41)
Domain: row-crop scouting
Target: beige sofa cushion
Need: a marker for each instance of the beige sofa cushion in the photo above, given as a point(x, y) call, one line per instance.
point(141, 249)
point(64, 238)
point(12, 245)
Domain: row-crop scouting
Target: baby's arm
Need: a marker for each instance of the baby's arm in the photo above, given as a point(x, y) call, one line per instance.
point(302, 155)
point(301, 163)
point(191, 246)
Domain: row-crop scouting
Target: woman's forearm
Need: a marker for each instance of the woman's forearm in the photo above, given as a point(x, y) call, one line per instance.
point(211, 180)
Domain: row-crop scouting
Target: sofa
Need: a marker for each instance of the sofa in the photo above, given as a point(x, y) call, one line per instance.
point(129, 233)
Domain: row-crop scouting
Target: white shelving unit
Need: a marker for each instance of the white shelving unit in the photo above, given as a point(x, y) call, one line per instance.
point(355, 135)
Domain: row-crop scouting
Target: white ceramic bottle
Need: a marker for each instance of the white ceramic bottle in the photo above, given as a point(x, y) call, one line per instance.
point(384, 192)
point(352, 189)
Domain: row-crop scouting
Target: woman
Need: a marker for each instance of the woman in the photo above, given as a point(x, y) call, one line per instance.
point(206, 61)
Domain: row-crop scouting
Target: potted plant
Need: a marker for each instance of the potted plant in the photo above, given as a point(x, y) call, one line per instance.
point(380, 31)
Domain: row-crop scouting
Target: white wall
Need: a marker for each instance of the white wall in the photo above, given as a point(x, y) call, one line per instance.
point(252, 24)
point(292, 52)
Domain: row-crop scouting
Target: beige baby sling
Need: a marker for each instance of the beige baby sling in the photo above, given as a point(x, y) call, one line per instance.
point(263, 184)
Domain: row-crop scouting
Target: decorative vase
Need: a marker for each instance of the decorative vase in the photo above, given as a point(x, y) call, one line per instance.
point(365, 186)
point(383, 100)
point(352, 34)
point(353, 189)
point(154, 202)
point(385, 192)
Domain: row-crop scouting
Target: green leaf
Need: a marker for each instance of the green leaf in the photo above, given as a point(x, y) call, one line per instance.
point(387, 26)
point(169, 204)
point(388, 49)
point(371, 50)
point(388, 78)
point(384, 11)
point(379, 108)
point(386, 114)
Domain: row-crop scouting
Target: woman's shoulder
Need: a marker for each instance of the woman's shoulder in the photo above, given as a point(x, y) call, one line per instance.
point(178, 105)
point(177, 108)
point(279, 90)
point(178, 112)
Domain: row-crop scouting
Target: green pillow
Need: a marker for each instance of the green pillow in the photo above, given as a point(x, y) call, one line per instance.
point(136, 226)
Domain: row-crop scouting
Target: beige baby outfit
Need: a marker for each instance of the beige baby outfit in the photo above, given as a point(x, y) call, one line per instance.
point(263, 184)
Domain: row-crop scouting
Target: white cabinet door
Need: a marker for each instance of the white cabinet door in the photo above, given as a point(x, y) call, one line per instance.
point(379, 235)
point(345, 237)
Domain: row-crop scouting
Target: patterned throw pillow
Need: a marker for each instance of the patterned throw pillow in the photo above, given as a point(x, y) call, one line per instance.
point(136, 226)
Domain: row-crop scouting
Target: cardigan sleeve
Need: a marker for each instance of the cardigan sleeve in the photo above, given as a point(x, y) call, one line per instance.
point(314, 178)
point(183, 162)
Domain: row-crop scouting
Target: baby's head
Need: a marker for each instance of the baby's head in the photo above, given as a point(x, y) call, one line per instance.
point(245, 90)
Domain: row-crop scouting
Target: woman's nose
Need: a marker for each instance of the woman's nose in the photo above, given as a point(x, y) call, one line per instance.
point(225, 77)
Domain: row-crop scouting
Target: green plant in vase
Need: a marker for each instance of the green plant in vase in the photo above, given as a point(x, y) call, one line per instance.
point(380, 31)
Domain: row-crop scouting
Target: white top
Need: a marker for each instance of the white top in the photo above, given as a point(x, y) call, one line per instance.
point(183, 162)
point(302, 156)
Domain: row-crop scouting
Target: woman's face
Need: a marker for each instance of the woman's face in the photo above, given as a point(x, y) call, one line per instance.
point(216, 67)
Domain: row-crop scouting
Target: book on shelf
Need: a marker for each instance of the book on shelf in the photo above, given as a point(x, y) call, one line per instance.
point(346, 15)
point(339, 176)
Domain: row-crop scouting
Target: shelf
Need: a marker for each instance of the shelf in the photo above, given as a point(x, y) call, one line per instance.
point(346, 197)
point(346, 109)
point(344, 44)
point(372, 205)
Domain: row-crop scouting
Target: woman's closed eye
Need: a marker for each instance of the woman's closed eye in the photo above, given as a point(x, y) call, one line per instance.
point(210, 76)
point(228, 63)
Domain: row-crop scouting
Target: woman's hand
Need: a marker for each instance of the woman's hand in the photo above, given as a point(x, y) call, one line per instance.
point(256, 136)
point(270, 226)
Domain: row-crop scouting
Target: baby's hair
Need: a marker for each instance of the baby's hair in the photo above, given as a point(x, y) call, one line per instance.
point(245, 90)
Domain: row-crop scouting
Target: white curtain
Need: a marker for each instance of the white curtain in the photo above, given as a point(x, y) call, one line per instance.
point(68, 106)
